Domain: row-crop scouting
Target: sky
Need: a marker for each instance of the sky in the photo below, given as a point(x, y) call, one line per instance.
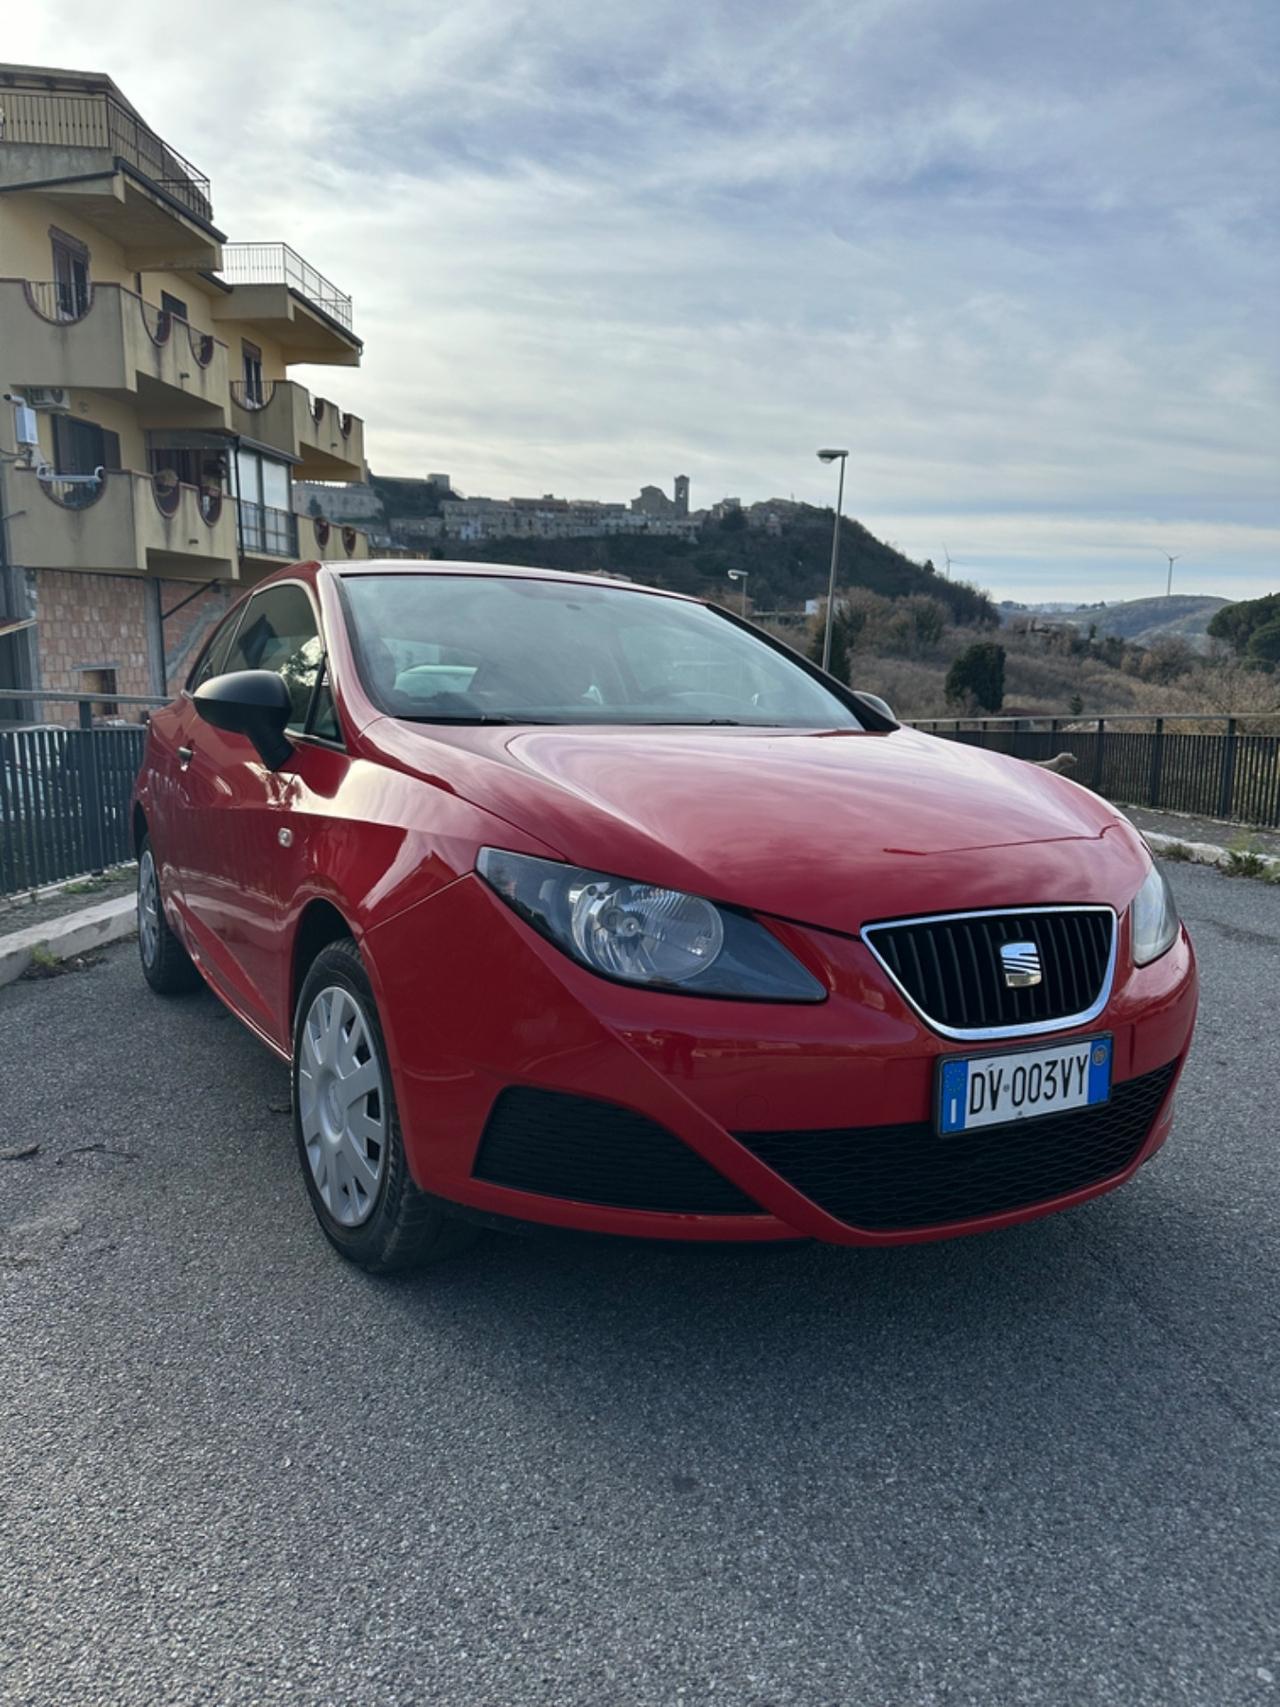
point(1019, 256)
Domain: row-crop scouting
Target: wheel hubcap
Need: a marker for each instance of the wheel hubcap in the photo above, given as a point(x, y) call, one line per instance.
point(148, 908)
point(342, 1106)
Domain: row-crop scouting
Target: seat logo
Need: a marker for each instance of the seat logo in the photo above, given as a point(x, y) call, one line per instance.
point(1020, 962)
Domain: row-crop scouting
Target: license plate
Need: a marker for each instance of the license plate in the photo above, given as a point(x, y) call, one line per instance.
point(990, 1090)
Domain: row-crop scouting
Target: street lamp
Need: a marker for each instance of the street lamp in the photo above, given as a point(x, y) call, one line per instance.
point(840, 457)
point(741, 575)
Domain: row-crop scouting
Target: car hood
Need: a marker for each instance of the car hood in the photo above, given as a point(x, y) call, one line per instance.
point(829, 828)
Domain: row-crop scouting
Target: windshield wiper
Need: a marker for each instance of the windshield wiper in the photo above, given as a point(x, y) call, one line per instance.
point(458, 717)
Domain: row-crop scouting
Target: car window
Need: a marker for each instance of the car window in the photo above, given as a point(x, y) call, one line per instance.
point(212, 661)
point(520, 649)
point(279, 633)
point(324, 713)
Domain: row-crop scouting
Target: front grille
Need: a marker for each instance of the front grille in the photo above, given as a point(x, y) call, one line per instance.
point(950, 967)
point(890, 1178)
point(596, 1152)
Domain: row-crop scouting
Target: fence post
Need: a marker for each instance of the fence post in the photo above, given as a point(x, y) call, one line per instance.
point(1157, 764)
point(92, 791)
point(1227, 785)
point(1096, 784)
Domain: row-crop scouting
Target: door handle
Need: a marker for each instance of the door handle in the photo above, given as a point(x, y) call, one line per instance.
point(185, 756)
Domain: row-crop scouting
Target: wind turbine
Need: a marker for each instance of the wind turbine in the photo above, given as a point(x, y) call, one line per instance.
point(1168, 592)
point(947, 555)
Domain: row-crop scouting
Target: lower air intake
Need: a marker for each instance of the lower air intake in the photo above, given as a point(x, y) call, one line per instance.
point(596, 1152)
point(892, 1178)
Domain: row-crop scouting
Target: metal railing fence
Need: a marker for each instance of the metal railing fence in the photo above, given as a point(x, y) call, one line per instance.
point(70, 118)
point(64, 792)
point(277, 263)
point(1205, 766)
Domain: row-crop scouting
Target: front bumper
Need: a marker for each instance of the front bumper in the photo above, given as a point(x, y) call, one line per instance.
point(762, 1102)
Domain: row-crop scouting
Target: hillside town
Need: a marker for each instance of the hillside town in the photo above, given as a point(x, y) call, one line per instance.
point(407, 513)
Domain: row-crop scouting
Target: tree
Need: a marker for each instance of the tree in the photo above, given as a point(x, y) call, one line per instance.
point(845, 629)
point(1238, 623)
point(978, 674)
point(1264, 642)
point(1167, 658)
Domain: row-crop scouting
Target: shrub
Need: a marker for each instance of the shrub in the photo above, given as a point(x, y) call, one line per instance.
point(978, 674)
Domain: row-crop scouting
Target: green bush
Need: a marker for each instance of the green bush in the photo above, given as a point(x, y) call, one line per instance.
point(978, 675)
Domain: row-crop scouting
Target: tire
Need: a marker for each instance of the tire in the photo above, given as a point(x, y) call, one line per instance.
point(166, 965)
point(349, 1141)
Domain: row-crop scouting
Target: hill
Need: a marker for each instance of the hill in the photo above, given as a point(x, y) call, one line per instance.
point(1142, 621)
point(784, 569)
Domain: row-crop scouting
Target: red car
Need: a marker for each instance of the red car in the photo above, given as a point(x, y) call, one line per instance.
point(581, 904)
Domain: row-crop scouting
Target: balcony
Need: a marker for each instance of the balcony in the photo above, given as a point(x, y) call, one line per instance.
point(281, 414)
point(322, 541)
point(274, 288)
point(123, 523)
point(117, 343)
point(270, 537)
point(75, 139)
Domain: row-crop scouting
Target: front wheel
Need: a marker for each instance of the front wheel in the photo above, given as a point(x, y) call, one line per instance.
point(348, 1130)
point(166, 965)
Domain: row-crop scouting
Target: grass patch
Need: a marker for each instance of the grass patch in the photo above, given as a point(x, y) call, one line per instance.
point(45, 963)
point(1244, 860)
point(1177, 851)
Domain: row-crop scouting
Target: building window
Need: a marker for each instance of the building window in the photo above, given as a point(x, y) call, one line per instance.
point(71, 287)
point(268, 525)
point(83, 447)
point(173, 305)
point(254, 396)
point(101, 679)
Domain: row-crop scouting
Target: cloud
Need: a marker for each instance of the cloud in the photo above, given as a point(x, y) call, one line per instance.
point(1020, 258)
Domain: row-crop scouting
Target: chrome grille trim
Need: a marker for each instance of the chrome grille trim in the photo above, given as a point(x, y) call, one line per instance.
point(979, 1034)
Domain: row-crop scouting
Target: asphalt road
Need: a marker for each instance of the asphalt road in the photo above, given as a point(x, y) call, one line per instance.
point(1037, 1467)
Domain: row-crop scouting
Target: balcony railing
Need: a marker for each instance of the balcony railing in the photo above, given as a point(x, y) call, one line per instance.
point(277, 263)
point(97, 119)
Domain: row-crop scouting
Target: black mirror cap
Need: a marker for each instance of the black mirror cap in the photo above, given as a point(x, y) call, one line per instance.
point(882, 717)
point(254, 703)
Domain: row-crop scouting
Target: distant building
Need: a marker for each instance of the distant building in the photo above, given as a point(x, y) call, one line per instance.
point(338, 502)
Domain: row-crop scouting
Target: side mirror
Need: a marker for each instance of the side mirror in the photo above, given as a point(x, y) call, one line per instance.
point(879, 707)
point(255, 703)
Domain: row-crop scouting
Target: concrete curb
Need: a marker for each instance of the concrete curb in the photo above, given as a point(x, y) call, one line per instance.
point(73, 933)
point(1202, 853)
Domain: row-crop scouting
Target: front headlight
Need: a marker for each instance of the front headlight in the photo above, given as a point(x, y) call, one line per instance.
point(1153, 919)
point(640, 934)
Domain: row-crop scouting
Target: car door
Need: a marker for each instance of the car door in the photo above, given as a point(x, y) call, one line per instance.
point(168, 755)
point(233, 885)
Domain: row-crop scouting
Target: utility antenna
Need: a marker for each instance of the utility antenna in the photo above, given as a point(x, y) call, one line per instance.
point(1172, 560)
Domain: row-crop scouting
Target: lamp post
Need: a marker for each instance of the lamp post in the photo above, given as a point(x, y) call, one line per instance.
point(741, 575)
point(839, 456)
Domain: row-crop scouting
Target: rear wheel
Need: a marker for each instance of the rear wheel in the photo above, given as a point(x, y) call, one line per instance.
point(348, 1129)
point(166, 965)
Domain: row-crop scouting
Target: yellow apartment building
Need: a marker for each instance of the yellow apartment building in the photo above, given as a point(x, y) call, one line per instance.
point(150, 433)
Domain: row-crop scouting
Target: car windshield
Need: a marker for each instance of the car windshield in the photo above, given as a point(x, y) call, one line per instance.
point(488, 648)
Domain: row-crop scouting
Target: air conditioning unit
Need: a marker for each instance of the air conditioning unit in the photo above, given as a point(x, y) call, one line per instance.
point(51, 397)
